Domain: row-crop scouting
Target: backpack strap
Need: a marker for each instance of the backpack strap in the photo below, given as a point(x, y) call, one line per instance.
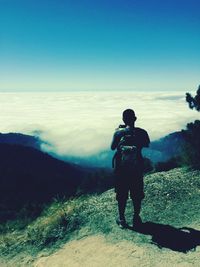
point(114, 160)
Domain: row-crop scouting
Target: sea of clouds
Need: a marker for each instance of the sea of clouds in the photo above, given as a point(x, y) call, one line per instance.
point(82, 123)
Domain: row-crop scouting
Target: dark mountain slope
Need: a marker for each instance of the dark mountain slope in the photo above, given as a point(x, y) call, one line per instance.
point(165, 148)
point(28, 175)
point(20, 139)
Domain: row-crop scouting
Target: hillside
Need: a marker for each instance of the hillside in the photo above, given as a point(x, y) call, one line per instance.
point(21, 139)
point(82, 231)
point(28, 175)
point(166, 147)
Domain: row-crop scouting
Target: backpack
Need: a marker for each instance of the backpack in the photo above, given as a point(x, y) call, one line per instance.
point(128, 150)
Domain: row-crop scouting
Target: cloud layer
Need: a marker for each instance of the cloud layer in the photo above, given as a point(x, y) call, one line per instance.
point(82, 123)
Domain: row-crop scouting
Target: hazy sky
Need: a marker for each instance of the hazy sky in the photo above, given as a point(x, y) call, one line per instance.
point(105, 44)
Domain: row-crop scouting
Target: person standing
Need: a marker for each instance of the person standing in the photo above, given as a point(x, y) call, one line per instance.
point(128, 141)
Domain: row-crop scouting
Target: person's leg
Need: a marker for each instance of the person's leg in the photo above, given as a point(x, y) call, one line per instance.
point(121, 208)
point(137, 195)
point(121, 220)
point(137, 221)
point(121, 197)
point(137, 207)
point(121, 190)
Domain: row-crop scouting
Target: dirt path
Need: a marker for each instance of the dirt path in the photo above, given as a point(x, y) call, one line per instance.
point(97, 251)
point(3, 263)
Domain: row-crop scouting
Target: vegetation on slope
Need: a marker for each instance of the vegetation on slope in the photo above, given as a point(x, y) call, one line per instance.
point(171, 198)
point(29, 176)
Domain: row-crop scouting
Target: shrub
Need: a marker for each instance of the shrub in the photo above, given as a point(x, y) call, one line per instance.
point(191, 150)
point(167, 165)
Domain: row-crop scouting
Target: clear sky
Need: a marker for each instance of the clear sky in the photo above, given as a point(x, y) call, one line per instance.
point(103, 45)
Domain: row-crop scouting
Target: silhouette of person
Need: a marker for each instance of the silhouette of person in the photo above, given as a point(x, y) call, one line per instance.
point(129, 177)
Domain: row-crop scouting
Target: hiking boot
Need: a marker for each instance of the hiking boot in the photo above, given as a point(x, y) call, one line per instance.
point(122, 223)
point(137, 221)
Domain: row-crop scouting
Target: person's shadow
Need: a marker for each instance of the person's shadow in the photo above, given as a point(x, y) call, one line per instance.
point(177, 239)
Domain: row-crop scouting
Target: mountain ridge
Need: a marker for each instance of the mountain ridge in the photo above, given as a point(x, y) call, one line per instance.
point(159, 150)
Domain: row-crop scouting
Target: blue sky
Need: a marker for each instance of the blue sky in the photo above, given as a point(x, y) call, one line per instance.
point(103, 45)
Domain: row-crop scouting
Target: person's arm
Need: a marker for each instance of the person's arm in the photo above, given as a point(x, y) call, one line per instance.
point(116, 140)
point(146, 140)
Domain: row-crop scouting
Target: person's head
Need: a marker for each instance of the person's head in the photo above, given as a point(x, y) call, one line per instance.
point(129, 117)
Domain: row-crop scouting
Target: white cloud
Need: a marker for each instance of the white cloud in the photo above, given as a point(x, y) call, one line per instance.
point(82, 123)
